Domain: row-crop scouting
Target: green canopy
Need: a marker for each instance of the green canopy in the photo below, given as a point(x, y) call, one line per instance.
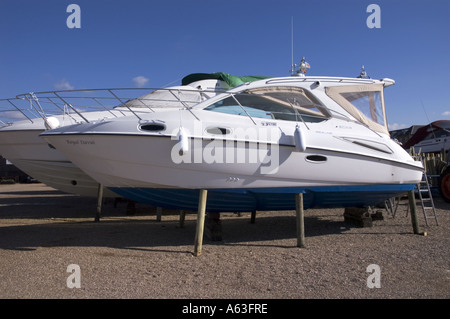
point(231, 80)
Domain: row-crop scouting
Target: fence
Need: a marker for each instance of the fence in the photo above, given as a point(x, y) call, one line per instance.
point(434, 164)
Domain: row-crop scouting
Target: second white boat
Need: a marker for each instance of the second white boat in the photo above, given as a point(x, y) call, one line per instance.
point(24, 118)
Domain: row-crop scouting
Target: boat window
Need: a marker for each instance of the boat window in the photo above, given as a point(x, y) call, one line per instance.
point(437, 133)
point(281, 103)
point(218, 130)
point(365, 102)
point(152, 127)
point(369, 103)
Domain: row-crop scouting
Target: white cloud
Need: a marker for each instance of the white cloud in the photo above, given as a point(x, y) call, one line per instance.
point(140, 81)
point(446, 113)
point(63, 85)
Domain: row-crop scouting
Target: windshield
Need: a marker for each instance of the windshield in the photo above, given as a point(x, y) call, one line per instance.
point(280, 103)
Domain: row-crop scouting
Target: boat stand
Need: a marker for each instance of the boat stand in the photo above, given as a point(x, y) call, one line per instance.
point(200, 222)
point(182, 218)
point(158, 214)
point(414, 219)
point(99, 202)
point(253, 217)
point(300, 220)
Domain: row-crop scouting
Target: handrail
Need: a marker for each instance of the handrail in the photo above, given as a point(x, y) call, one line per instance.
point(17, 108)
point(10, 111)
point(243, 109)
point(69, 105)
point(116, 101)
point(125, 105)
point(185, 105)
point(321, 78)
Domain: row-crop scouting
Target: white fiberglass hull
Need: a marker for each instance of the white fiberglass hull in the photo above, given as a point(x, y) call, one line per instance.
point(343, 179)
point(20, 142)
point(33, 155)
point(241, 174)
point(109, 163)
point(433, 145)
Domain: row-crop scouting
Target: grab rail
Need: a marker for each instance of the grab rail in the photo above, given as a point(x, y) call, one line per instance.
point(14, 109)
point(116, 102)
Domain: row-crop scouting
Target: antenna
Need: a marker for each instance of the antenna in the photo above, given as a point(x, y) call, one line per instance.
point(297, 70)
point(429, 122)
point(292, 44)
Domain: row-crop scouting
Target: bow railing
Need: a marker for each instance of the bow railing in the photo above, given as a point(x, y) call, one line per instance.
point(86, 105)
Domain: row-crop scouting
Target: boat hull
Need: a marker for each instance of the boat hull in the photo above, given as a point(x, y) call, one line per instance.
point(110, 164)
point(32, 155)
point(326, 178)
point(268, 199)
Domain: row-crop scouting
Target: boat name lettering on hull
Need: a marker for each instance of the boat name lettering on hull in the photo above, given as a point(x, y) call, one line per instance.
point(268, 124)
point(80, 142)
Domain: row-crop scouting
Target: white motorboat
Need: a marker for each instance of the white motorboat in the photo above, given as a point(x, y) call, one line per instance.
point(252, 147)
point(20, 142)
point(431, 138)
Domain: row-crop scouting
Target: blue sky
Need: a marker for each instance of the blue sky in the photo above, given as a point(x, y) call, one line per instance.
point(159, 42)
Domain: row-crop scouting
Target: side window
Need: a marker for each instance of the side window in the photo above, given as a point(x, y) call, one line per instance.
point(281, 103)
point(364, 102)
point(369, 103)
point(241, 105)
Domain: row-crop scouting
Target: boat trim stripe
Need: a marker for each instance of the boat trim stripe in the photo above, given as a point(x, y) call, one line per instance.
point(212, 138)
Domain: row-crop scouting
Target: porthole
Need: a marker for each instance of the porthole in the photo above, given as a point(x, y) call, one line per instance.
point(153, 127)
point(218, 130)
point(316, 158)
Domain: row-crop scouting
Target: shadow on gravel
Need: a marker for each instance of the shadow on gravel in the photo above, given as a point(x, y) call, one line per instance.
point(63, 220)
point(145, 234)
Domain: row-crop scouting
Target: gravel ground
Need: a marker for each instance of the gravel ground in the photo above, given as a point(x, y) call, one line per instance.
point(43, 231)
